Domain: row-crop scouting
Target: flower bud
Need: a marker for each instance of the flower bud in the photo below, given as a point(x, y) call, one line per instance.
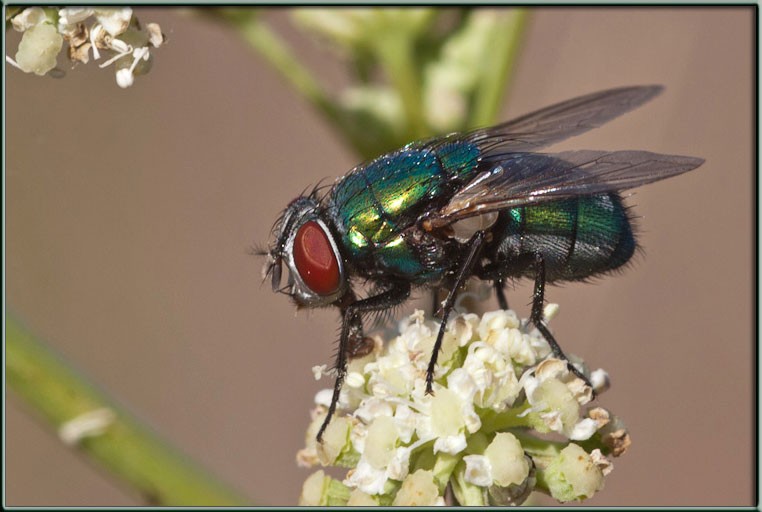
point(114, 20)
point(447, 418)
point(28, 18)
point(320, 489)
point(557, 398)
point(357, 498)
point(506, 456)
point(335, 440)
point(38, 49)
point(418, 489)
point(312, 490)
point(514, 494)
point(573, 475)
point(381, 441)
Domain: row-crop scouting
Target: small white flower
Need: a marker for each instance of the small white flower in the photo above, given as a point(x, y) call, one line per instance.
point(600, 380)
point(323, 397)
point(155, 37)
point(380, 442)
point(450, 444)
point(583, 429)
point(399, 465)
point(367, 478)
point(28, 18)
point(478, 470)
point(373, 407)
point(357, 436)
point(125, 76)
point(550, 311)
point(319, 370)
point(355, 380)
point(69, 17)
point(114, 20)
point(404, 419)
point(496, 321)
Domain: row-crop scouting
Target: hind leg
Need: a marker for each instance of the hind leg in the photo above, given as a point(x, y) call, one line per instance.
point(538, 301)
point(499, 285)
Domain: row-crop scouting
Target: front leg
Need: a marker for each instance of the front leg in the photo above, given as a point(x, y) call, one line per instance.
point(351, 331)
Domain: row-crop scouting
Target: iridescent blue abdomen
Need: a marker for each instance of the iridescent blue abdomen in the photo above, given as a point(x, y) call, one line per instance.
point(578, 237)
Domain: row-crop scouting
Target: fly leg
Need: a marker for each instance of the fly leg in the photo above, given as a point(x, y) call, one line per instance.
point(538, 300)
point(351, 327)
point(476, 242)
point(358, 344)
point(435, 302)
point(500, 293)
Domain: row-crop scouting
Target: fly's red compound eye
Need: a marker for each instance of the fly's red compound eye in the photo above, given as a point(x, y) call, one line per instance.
point(315, 260)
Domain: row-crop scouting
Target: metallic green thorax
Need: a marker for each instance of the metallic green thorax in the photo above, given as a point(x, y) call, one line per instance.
point(375, 204)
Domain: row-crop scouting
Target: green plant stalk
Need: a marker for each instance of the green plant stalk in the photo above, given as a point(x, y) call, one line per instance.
point(129, 450)
point(497, 70)
point(511, 418)
point(277, 53)
point(395, 52)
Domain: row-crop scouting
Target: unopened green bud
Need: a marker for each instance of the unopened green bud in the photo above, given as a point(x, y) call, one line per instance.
point(39, 49)
point(573, 475)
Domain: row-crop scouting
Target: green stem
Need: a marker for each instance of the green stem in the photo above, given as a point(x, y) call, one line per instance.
point(497, 67)
point(126, 448)
point(494, 421)
point(279, 56)
point(444, 465)
point(395, 52)
point(539, 447)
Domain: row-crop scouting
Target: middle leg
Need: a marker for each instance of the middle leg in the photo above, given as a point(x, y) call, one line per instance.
point(476, 242)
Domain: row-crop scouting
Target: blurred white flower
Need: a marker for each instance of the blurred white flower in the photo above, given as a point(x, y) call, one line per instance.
point(28, 18)
point(39, 49)
point(112, 30)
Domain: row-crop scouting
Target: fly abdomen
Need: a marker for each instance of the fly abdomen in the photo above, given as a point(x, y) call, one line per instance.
point(578, 237)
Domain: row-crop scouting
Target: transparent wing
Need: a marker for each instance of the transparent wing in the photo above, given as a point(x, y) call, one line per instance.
point(554, 123)
point(531, 178)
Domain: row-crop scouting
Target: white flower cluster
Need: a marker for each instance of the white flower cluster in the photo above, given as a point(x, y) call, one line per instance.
point(495, 383)
point(111, 30)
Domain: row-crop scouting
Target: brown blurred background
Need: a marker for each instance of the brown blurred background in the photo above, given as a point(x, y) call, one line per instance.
point(129, 213)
